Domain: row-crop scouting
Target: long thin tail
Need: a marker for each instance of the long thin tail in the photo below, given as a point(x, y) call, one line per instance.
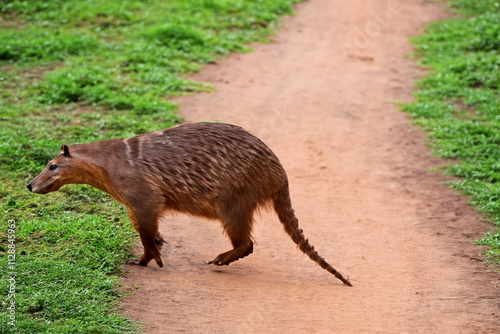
point(283, 207)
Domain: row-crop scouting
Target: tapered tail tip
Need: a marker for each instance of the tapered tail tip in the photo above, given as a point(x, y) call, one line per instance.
point(344, 280)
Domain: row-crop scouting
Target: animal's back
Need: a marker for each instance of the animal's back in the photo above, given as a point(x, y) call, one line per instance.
point(203, 163)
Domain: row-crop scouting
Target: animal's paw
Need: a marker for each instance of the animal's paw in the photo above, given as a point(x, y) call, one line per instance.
point(233, 255)
point(224, 259)
point(217, 262)
point(138, 262)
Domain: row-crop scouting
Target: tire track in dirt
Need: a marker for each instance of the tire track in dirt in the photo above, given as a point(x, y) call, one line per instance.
point(321, 97)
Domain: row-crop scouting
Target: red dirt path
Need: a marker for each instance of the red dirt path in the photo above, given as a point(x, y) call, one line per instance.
point(321, 96)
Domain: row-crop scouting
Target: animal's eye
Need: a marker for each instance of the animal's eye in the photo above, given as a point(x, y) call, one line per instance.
point(53, 166)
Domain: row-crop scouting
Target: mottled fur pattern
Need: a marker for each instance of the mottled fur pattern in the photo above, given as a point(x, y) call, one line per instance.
point(213, 170)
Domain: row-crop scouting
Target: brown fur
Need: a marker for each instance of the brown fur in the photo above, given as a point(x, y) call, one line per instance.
point(213, 170)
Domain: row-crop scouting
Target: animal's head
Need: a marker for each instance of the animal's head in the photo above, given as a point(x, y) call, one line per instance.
point(58, 172)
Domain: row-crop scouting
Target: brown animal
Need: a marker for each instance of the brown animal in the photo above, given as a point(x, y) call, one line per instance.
point(213, 170)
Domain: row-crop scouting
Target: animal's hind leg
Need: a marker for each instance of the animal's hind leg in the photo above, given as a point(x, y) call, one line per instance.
point(238, 227)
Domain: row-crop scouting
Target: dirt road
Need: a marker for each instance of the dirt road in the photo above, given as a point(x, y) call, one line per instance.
point(321, 96)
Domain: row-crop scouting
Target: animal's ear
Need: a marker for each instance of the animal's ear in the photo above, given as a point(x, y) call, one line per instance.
point(65, 150)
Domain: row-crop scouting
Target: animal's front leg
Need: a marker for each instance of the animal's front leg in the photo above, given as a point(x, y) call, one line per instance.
point(147, 226)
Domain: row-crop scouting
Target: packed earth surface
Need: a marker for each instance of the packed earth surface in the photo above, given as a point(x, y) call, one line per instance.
point(323, 95)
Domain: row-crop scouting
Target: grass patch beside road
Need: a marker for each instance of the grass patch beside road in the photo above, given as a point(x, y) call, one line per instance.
point(77, 71)
point(459, 103)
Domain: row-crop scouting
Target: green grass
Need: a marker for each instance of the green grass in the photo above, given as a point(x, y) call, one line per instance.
point(459, 103)
point(77, 71)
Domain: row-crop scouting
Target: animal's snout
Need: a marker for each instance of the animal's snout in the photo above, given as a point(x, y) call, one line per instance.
point(29, 187)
